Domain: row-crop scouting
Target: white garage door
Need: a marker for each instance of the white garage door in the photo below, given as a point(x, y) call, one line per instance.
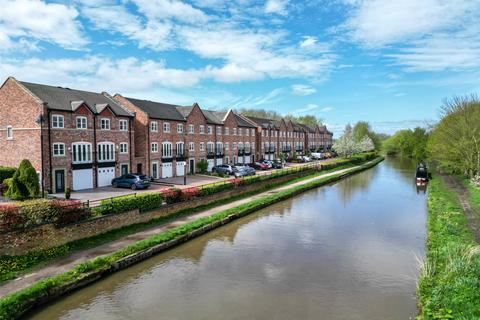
point(105, 176)
point(167, 171)
point(248, 159)
point(82, 179)
point(211, 163)
point(180, 169)
point(240, 159)
point(219, 161)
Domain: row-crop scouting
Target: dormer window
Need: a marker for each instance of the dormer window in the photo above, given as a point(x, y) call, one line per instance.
point(105, 124)
point(81, 122)
point(58, 121)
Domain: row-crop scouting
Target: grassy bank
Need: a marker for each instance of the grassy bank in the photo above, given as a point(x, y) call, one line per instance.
point(17, 303)
point(449, 284)
point(13, 266)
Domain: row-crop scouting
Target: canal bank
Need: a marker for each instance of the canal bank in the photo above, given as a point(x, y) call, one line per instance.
point(449, 285)
point(87, 272)
point(343, 251)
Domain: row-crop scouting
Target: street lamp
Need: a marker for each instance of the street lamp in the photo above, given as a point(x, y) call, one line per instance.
point(41, 120)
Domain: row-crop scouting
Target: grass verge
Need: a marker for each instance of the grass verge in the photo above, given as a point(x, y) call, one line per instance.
point(16, 304)
point(449, 283)
point(14, 266)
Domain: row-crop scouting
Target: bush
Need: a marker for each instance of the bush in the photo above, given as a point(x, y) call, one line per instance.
point(6, 172)
point(190, 193)
point(215, 188)
point(3, 188)
point(142, 202)
point(202, 166)
point(10, 217)
point(68, 193)
point(172, 195)
point(24, 183)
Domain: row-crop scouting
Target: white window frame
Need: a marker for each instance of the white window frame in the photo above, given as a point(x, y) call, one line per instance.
point(82, 156)
point(209, 130)
point(103, 124)
point(9, 133)
point(154, 147)
point(56, 121)
point(202, 146)
point(123, 125)
point(167, 149)
point(166, 127)
point(180, 146)
point(153, 126)
point(219, 131)
point(121, 146)
point(83, 124)
point(227, 146)
point(227, 131)
point(191, 129)
point(240, 132)
point(202, 129)
point(60, 152)
point(179, 127)
point(105, 151)
point(234, 131)
point(191, 146)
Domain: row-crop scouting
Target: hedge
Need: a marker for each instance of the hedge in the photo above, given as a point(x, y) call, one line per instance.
point(6, 172)
point(143, 202)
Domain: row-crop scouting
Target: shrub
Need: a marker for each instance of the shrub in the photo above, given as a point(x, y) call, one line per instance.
point(172, 195)
point(142, 202)
point(6, 173)
point(202, 166)
point(3, 188)
point(10, 217)
point(24, 183)
point(215, 188)
point(190, 193)
point(68, 193)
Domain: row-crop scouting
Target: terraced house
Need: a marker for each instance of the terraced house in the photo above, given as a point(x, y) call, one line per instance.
point(73, 138)
point(268, 137)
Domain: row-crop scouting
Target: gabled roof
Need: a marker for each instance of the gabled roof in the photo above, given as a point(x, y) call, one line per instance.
point(158, 110)
point(184, 110)
point(65, 99)
point(242, 122)
point(297, 126)
point(262, 122)
point(307, 127)
point(213, 117)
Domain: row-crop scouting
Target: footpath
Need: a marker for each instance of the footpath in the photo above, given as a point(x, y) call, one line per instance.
point(66, 263)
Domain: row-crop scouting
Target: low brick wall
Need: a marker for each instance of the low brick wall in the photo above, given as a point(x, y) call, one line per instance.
point(48, 236)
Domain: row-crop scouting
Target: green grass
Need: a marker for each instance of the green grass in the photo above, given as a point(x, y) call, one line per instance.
point(13, 266)
point(449, 284)
point(17, 303)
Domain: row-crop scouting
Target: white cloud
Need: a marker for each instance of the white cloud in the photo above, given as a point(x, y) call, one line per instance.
point(233, 73)
point(165, 9)
point(309, 107)
point(303, 90)
point(276, 6)
point(327, 109)
point(30, 19)
point(308, 42)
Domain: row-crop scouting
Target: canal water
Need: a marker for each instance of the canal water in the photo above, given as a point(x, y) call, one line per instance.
point(345, 251)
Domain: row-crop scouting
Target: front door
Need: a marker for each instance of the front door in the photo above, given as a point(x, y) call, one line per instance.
point(124, 169)
point(192, 166)
point(155, 170)
point(59, 181)
point(139, 168)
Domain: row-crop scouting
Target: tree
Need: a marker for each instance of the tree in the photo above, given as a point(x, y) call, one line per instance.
point(366, 144)
point(202, 166)
point(346, 146)
point(408, 143)
point(24, 183)
point(268, 114)
point(455, 141)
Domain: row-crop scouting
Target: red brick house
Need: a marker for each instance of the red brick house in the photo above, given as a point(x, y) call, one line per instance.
point(160, 137)
point(73, 138)
point(269, 137)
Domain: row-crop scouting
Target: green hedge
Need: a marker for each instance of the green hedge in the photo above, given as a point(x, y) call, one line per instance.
point(6, 172)
point(142, 201)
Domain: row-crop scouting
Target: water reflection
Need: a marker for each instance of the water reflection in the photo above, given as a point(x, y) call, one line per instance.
point(345, 251)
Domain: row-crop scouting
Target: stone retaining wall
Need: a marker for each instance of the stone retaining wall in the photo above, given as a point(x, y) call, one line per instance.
point(48, 236)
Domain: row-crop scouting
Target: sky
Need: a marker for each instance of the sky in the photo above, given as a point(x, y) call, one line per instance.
point(391, 63)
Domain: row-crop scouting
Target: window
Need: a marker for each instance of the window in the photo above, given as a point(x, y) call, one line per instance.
point(191, 146)
point(227, 131)
point(9, 133)
point(234, 146)
point(105, 124)
point(180, 149)
point(239, 131)
point(123, 147)
point(166, 150)
point(202, 146)
point(154, 126)
point(210, 147)
point(123, 125)
point(202, 129)
point(166, 127)
point(209, 130)
point(106, 151)
point(191, 129)
point(179, 128)
point(227, 146)
point(247, 132)
point(219, 131)
point(58, 121)
point(81, 152)
point(59, 149)
point(154, 147)
point(253, 132)
point(81, 122)
point(219, 149)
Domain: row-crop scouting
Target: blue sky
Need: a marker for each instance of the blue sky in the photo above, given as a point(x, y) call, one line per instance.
point(388, 62)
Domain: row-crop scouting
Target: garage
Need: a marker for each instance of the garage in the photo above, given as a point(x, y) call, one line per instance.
point(105, 176)
point(211, 164)
point(248, 159)
point(180, 168)
point(167, 171)
point(82, 179)
point(240, 160)
point(219, 161)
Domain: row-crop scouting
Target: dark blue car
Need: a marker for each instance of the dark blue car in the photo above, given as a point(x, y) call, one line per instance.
point(132, 181)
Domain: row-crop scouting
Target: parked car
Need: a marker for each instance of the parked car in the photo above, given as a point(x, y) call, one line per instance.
point(223, 169)
point(277, 164)
point(317, 155)
point(269, 163)
point(250, 171)
point(243, 171)
point(260, 166)
point(132, 181)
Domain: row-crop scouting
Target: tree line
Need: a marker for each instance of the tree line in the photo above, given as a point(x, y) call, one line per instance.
point(307, 119)
point(356, 139)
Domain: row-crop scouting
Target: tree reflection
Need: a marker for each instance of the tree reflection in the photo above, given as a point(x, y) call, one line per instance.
point(357, 183)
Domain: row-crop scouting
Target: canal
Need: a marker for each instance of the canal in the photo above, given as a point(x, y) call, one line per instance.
point(345, 251)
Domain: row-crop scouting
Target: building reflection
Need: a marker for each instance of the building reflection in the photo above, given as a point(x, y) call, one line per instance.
point(357, 183)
